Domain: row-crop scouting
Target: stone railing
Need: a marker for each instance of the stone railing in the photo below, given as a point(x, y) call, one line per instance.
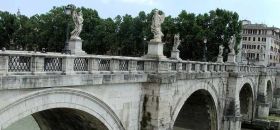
point(20, 63)
point(15, 62)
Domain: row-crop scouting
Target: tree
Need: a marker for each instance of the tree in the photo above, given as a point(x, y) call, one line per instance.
point(8, 26)
point(169, 29)
point(90, 31)
point(123, 35)
point(213, 26)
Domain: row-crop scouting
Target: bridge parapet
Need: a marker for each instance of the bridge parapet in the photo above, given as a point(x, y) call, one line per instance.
point(19, 63)
point(24, 63)
point(160, 79)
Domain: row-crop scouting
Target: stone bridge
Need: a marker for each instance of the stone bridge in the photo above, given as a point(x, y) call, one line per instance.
point(93, 92)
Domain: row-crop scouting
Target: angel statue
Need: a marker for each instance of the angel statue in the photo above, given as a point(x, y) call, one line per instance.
point(232, 44)
point(221, 50)
point(78, 21)
point(177, 42)
point(156, 26)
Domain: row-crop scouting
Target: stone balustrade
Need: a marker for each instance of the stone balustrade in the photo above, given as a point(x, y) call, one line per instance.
point(20, 63)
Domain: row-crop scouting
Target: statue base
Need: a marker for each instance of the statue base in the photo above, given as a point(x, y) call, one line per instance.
point(220, 59)
point(75, 46)
point(231, 58)
point(175, 55)
point(155, 50)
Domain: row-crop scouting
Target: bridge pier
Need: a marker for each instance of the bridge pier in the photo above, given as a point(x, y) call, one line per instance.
point(276, 93)
point(263, 110)
point(232, 123)
point(239, 105)
point(263, 104)
point(276, 101)
point(154, 116)
point(232, 118)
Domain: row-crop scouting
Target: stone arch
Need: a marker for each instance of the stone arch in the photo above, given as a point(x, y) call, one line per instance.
point(251, 84)
point(59, 98)
point(246, 102)
point(205, 89)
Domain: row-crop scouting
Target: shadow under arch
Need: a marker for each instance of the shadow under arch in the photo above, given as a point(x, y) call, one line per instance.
point(197, 109)
point(58, 119)
point(58, 99)
point(269, 93)
point(246, 100)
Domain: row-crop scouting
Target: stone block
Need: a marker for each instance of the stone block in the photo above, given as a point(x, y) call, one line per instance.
point(220, 59)
point(263, 110)
point(231, 58)
point(75, 45)
point(155, 50)
point(175, 55)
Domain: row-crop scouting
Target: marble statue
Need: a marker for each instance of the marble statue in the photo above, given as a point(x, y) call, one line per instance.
point(156, 26)
point(232, 44)
point(78, 21)
point(221, 50)
point(177, 42)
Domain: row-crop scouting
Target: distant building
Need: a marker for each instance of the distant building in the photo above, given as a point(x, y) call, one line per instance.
point(260, 44)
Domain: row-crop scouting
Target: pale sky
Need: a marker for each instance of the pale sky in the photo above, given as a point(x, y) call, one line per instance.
point(257, 11)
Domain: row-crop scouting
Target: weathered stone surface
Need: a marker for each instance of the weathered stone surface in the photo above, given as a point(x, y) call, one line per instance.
point(75, 45)
point(125, 93)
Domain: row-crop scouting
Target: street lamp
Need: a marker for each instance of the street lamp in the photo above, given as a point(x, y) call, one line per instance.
point(144, 47)
point(204, 50)
point(68, 11)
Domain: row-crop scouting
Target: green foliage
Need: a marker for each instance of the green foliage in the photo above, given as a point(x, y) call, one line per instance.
point(8, 26)
point(194, 28)
point(123, 35)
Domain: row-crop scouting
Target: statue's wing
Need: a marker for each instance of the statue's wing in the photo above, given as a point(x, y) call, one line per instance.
point(75, 17)
point(161, 18)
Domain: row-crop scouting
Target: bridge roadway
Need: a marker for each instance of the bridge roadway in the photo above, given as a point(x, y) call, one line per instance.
point(58, 91)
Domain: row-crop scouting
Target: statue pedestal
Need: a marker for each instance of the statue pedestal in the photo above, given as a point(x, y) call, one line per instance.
point(220, 59)
point(231, 58)
point(155, 50)
point(75, 45)
point(175, 55)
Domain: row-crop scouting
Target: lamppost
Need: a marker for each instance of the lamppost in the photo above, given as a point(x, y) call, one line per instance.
point(144, 42)
point(204, 50)
point(68, 11)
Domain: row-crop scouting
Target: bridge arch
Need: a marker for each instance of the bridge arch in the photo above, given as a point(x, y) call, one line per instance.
point(58, 98)
point(249, 81)
point(208, 100)
point(246, 102)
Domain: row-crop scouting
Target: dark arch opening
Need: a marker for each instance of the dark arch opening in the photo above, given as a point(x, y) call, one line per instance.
point(66, 119)
point(246, 102)
point(197, 113)
point(269, 94)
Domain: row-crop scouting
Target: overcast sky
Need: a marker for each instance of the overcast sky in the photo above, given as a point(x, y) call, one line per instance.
point(258, 11)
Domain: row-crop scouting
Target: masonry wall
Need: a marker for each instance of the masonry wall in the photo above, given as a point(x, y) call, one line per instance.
point(123, 99)
point(165, 99)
